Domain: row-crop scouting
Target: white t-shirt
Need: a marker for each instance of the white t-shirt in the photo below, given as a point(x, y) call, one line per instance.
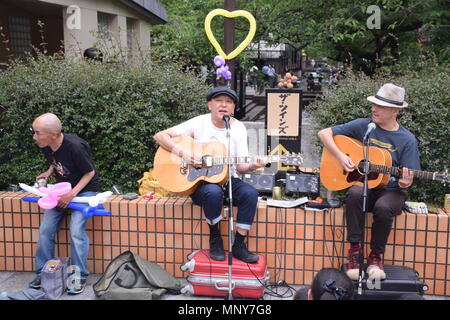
point(203, 130)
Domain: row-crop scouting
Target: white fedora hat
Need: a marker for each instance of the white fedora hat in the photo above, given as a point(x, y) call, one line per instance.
point(389, 95)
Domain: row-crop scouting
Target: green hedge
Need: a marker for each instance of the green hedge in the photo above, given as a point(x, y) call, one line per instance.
point(427, 116)
point(116, 107)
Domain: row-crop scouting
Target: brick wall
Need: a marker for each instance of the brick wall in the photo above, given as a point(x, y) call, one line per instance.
point(296, 243)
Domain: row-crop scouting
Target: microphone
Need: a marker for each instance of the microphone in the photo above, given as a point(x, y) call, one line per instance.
point(370, 128)
point(226, 119)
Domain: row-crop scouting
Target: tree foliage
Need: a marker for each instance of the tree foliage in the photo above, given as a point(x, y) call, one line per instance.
point(183, 38)
point(340, 30)
point(336, 29)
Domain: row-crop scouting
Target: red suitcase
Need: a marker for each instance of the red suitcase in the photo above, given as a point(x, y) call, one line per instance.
point(210, 278)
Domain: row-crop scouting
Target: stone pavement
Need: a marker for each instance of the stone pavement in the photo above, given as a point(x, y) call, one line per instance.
point(12, 282)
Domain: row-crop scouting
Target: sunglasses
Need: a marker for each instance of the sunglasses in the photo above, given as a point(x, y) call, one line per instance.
point(35, 132)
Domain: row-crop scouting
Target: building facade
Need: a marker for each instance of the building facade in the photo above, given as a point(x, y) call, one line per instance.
point(75, 25)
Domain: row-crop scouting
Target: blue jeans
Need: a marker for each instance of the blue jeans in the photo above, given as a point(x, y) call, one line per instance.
point(210, 197)
point(50, 225)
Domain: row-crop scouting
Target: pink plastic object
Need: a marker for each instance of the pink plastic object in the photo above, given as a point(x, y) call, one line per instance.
point(149, 196)
point(53, 194)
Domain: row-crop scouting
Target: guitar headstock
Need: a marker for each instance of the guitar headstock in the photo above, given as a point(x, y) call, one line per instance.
point(292, 159)
point(443, 178)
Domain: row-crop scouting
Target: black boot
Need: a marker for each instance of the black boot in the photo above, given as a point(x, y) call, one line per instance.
point(216, 251)
point(241, 252)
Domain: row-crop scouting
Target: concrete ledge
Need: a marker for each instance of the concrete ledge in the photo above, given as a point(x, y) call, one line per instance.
point(296, 243)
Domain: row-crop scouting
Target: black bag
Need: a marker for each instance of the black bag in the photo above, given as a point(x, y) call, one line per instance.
point(129, 277)
point(400, 280)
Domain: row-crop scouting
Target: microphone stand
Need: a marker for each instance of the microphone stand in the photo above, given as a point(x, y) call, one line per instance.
point(230, 215)
point(365, 210)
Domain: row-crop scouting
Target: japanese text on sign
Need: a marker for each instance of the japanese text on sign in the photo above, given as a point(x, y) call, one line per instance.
point(283, 114)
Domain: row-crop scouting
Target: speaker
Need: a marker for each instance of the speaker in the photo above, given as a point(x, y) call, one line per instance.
point(302, 183)
point(262, 182)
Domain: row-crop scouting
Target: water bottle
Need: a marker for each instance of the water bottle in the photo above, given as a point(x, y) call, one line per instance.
point(42, 183)
point(117, 189)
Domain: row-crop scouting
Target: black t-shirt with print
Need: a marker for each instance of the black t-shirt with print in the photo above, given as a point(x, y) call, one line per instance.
point(72, 161)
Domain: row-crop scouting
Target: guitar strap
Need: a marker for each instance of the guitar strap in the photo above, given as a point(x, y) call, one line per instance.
point(226, 200)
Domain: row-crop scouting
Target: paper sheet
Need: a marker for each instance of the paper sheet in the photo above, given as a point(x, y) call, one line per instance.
point(287, 203)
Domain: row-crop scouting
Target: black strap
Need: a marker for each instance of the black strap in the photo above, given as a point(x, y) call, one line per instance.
point(119, 281)
point(338, 292)
point(389, 100)
point(173, 292)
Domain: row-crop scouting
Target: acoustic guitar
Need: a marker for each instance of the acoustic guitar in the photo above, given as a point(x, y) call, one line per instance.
point(178, 176)
point(334, 177)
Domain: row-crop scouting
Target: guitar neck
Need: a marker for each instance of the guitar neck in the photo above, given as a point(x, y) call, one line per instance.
point(395, 171)
point(252, 159)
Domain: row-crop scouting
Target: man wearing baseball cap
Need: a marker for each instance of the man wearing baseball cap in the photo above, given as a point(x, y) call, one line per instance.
point(211, 127)
point(386, 202)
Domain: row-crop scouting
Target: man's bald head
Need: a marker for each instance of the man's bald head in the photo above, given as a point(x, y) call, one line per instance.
point(48, 122)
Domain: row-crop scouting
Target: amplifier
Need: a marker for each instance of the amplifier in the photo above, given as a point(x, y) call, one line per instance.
point(262, 182)
point(302, 183)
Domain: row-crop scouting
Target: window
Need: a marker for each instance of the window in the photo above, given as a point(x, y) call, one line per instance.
point(131, 35)
point(131, 32)
point(20, 34)
point(103, 25)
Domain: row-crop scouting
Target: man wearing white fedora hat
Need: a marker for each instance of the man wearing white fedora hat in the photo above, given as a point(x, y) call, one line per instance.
point(386, 202)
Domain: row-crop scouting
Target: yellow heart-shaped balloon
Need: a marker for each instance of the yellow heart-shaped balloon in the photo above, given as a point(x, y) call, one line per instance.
point(228, 14)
